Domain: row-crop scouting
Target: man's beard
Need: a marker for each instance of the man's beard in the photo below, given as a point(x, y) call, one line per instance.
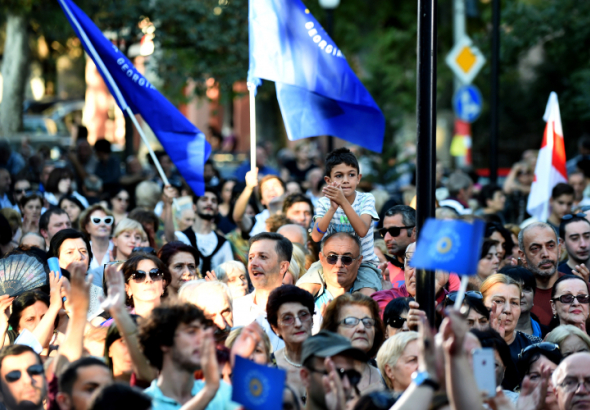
point(538, 272)
point(183, 363)
point(206, 217)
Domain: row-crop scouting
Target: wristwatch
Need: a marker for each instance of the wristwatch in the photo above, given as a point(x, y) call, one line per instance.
point(424, 379)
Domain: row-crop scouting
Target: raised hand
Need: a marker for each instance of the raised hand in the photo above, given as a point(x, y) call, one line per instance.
point(427, 354)
point(335, 396)
point(453, 329)
point(168, 194)
point(79, 294)
point(498, 319)
point(210, 276)
point(5, 303)
point(582, 271)
point(115, 300)
point(246, 342)
point(415, 316)
point(252, 178)
point(335, 194)
point(55, 285)
point(532, 397)
point(209, 363)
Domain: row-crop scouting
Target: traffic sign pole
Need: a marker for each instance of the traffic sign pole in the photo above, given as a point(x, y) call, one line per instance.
point(494, 115)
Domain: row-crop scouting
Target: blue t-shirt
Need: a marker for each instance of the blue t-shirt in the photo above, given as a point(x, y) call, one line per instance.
point(221, 401)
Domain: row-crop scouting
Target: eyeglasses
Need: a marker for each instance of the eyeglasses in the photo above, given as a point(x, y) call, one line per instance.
point(470, 294)
point(15, 375)
point(354, 321)
point(396, 322)
point(346, 260)
point(354, 377)
point(546, 346)
point(407, 260)
point(394, 231)
point(567, 299)
point(118, 198)
point(289, 320)
point(571, 216)
point(97, 220)
point(570, 384)
point(155, 275)
point(25, 191)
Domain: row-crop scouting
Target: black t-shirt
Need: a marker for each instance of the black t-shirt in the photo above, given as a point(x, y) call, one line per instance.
point(521, 341)
point(565, 268)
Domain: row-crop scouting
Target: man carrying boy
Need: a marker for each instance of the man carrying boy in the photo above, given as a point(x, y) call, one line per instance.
point(343, 209)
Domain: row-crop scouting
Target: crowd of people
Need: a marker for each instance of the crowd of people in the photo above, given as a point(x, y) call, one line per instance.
point(297, 265)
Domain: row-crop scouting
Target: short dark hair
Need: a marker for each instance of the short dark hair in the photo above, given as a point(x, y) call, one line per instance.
point(563, 279)
point(120, 396)
point(350, 235)
point(55, 176)
point(60, 237)
point(211, 190)
point(103, 145)
point(26, 199)
point(69, 375)
point(283, 246)
point(486, 245)
point(73, 200)
point(526, 360)
point(167, 251)
point(46, 217)
point(341, 156)
point(22, 302)
point(561, 189)
point(395, 308)
point(159, 328)
point(130, 266)
point(566, 222)
point(296, 198)
point(287, 294)
point(520, 274)
point(487, 193)
point(17, 350)
point(408, 215)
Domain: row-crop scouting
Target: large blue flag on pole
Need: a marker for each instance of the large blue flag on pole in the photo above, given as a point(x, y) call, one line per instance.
point(318, 92)
point(184, 143)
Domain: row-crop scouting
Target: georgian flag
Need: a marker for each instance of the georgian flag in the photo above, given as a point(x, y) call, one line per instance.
point(550, 169)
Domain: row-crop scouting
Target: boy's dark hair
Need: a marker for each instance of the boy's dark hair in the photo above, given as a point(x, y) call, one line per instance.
point(294, 199)
point(159, 328)
point(341, 156)
point(44, 220)
point(70, 374)
point(119, 396)
point(211, 190)
point(103, 146)
point(487, 193)
point(283, 246)
point(561, 189)
point(522, 275)
point(566, 222)
point(16, 350)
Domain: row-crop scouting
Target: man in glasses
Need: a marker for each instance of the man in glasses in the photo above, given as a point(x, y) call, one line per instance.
point(320, 354)
point(52, 221)
point(399, 231)
point(574, 231)
point(22, 378)
point(571, 382)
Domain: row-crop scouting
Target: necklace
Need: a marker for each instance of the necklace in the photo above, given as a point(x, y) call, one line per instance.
point(289, 361)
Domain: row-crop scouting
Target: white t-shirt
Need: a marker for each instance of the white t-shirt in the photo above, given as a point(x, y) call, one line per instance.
point(206, 245)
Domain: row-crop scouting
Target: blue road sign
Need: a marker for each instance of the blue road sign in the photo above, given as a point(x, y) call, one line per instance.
point(467, 103)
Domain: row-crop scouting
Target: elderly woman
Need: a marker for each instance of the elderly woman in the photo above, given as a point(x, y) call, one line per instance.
point(502, 295)
point(395, 316)
point(569, 301)
point(182, 262)
point(146, 278)
point(530, 362)
point(570, 339)
point(97, 223)
point(30, 209)
point(233, 273)
point(356, 317)
point(398, 359)
point(290, 313)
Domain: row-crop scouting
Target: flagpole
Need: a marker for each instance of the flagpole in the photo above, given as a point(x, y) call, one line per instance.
point(252, 94)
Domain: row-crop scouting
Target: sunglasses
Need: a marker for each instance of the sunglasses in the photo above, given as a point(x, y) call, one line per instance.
point(571, 216)
point(108, 220)
point(567, 299)
point(470, 294)
point(545, 346)
point(354, 377)
point(23, 191)
point(15, 375)
point(155, 275)
point(396, 322)
point(394, 231)
point(346, 260)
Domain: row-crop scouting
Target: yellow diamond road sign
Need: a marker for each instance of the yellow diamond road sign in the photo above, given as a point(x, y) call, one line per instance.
point(465, 60)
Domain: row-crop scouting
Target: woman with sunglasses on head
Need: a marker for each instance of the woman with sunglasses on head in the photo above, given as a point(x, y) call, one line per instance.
point(570, 302)
point(395, 316)
point(290, 314)
point(570, 339)
point(97, 223)
point(530, 363)
point(73, 208)
point(146, 278)
point(119, 204)
point(356, 317)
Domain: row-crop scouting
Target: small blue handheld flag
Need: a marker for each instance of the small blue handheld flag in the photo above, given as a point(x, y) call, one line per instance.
point(318, 92)
point(183, 142)
point(449, 245)
point(257, 387)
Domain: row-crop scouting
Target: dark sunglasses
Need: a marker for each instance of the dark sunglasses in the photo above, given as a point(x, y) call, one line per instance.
point(23, 191)
point(567, 299)
point(545, 346)
point(144, 249)
point(15, 375)
point(346, 260)
point(354, 377)
point(394, 231)
point(469, 294)
point(396, 322)
point(155, 275)
point(571, 216)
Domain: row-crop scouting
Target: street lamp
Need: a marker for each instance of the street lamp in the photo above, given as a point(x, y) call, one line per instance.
point(329, 6)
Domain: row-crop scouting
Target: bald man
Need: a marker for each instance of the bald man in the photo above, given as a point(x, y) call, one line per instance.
point(571, 382)
point(295, 233)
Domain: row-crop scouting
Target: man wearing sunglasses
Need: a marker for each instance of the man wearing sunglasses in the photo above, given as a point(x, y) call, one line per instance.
point(318, 354)
point(574, 231)
point(22, 378)
point(399, 231)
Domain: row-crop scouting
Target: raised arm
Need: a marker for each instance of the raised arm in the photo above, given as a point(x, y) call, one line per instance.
point(5, 303)
point(167, 212)
point(239, 215)
point(44, 329)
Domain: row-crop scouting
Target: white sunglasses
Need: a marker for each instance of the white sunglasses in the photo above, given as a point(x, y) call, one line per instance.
point(98, 220)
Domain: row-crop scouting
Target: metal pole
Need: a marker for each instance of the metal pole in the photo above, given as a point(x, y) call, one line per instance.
point(459, 31)
point(330, 31)
point(495, 86)
point(426, 121)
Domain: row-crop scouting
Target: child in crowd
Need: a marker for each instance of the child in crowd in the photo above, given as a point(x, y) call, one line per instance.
point(343, 209)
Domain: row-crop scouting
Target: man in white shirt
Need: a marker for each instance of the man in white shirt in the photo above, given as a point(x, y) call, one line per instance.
point(213, 248)
point(268, 261)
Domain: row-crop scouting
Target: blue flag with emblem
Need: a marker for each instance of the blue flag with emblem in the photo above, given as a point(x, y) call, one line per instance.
point(318, 92)
point(449, 245)
point(184, 143)
point(257, 387)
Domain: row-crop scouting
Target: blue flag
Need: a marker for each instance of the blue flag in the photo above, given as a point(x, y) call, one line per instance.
point(449, 245)
point(183, 142)
point(257, 387)
point(318, 92)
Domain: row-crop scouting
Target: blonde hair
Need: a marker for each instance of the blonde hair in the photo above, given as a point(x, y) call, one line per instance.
point(129, 225)
point(233, 335)
point(300, 255)
point(190, 291)
point(222, 271)
point(560, 333)
point(147, 194)
point(391, 351)
point(294, 269)
point(498, 278)
point(380, 244)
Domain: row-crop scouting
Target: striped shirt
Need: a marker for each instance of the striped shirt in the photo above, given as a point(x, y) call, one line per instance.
point(364, 204)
